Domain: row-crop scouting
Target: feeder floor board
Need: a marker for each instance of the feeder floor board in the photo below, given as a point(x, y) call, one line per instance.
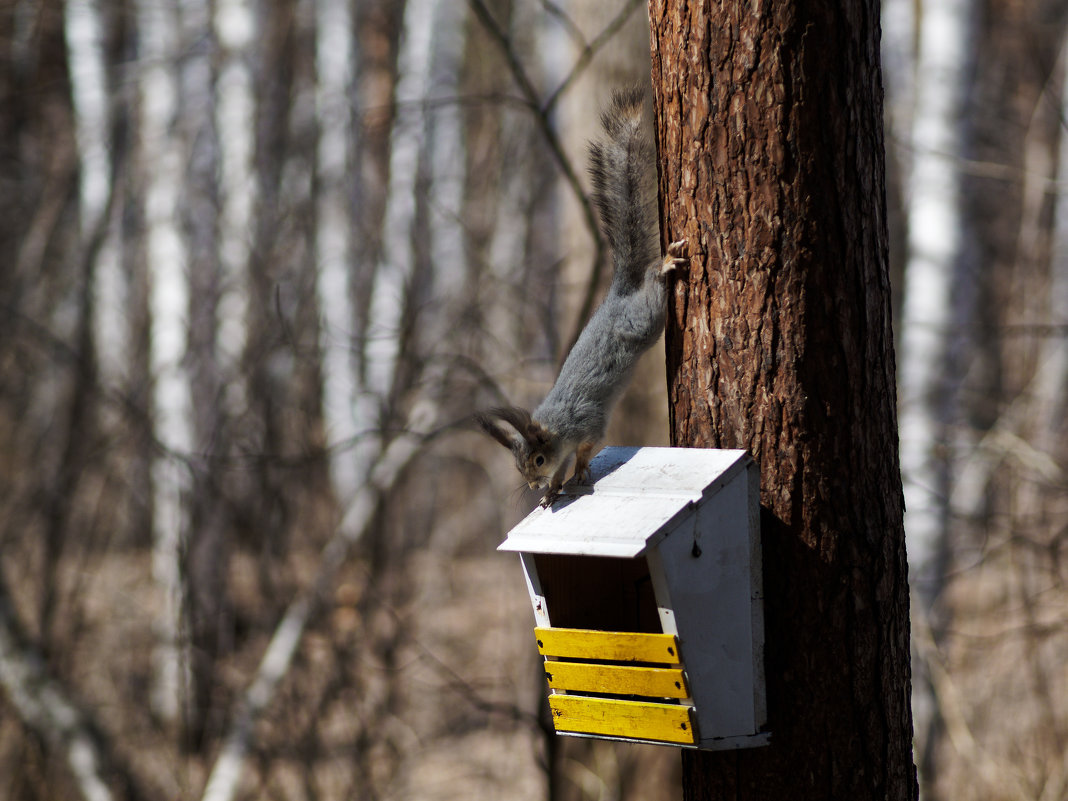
point(650, 682)
point(670, 723)
point(608, 646)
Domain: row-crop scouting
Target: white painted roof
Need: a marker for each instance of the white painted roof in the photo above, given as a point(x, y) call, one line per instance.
point(634, 497)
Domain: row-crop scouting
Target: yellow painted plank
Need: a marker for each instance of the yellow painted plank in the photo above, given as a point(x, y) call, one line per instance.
point(610, 646)
point(617, 679)
point(670, 723)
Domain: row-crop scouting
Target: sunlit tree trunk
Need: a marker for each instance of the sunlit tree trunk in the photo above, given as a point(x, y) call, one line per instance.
point(378, 25)
point(46, 708)
point(405, 238)
point(779, 342)
point(66, 401)
point(91, 86)
point(512, 225)
point(1053, 364)
point(207, 545)
point(931, 291)
point(936, 311)
point(1008, 502)
point(234, 28)
point(333, 247)
point(160, 159)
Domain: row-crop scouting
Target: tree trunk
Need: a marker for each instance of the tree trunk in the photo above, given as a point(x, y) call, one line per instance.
point(161, 157)
point(937, 307)
point(779, 342)
point(333, 243)
point(207, 543)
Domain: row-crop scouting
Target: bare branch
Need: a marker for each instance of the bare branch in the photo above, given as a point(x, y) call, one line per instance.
point(1003, 780)
point(229, 765)
point(45, 706)
point(541, 114)
point(589, 50)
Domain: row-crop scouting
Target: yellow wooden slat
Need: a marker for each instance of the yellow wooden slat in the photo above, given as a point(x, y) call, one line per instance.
point(611, 646)
point(670, 723)
point(617, 679)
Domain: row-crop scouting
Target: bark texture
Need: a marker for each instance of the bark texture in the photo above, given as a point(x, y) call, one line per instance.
point(779, 341)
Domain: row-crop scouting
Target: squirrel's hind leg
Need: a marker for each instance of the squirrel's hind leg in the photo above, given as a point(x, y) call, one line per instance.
point(583, 454)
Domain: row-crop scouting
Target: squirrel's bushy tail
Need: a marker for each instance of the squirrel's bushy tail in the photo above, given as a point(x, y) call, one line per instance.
point(622, 166)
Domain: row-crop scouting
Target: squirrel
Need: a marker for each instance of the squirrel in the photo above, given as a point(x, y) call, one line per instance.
point(573, 417)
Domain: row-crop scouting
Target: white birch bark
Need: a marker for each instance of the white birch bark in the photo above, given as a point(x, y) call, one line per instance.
point(228, 768)
point(925, 383)
point(334, 60)
point(161, 160)
point(445, 148)
point(84, 37)
point(374, 466)
point(234, 118)
point(443, 161)
point(426, 174)
point(1052, 391)
point(1026, 431)
point(380, 354)
point(899, 76)
point(43, 705)
point(933, 247)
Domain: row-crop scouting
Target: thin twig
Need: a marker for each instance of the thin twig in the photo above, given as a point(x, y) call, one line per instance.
point(226, 773)
point(45, 706)
point(526, 87)
point(589, 50)
point(572, 29)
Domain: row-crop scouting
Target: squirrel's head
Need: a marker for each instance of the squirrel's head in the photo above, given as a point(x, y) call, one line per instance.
point(537, 452)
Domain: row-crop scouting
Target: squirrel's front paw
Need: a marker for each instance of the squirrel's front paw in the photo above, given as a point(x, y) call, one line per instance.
point(549, 497)
point(676, 258)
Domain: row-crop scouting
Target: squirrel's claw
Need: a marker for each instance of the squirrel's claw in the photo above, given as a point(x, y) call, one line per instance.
point(676, 257)
point(548, 498)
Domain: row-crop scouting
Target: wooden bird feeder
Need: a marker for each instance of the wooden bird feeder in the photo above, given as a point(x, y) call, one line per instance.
point(646, 589)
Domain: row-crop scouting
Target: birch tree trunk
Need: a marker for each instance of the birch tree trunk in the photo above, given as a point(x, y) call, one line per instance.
point(90, 85)
point(779, 342)
point(935, 304)
point(403, 258)
point(930, 296)
point(160, 159)
point(234, 27)
point(205, 555)
point(46, 708)
point(334, 60)
point(378, 453)
point(378, 31)
point(1053, 363)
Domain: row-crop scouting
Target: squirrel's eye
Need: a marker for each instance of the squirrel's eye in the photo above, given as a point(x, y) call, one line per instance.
point(539, 460)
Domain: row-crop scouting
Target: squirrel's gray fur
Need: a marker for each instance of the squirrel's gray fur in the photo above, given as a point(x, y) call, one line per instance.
point(573, 417)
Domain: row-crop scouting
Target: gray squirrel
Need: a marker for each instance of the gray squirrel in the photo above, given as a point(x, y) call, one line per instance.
point(573, 417)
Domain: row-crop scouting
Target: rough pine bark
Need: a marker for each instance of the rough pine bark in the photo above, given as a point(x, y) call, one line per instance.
point(779, 342)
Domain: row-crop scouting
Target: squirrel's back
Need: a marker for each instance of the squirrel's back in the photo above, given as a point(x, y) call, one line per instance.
point(631, 317)
point(623, 170)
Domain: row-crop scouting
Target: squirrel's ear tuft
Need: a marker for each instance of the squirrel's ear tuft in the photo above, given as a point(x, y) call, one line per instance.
point(537, 434)
point(517, 418)
point(486, 423)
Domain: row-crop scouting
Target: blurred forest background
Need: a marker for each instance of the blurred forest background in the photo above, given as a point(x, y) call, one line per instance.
point(262, 258)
